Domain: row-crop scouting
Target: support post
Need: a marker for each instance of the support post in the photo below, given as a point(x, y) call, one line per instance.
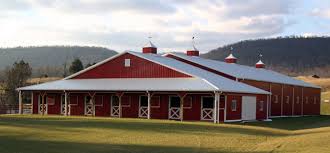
point(20, 103)
point(65, 103)
point(43, 104)
point(225, 111)
point(149, 104)
point(181, 108)
point(215, 109)
point(267, 104)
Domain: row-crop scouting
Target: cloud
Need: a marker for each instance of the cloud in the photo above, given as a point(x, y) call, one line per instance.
point(324, 13)
point(124, 24)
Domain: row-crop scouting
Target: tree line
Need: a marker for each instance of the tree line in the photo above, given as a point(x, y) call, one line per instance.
point(18, 74)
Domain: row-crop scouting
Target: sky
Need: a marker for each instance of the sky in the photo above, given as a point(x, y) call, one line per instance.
point(126, 24)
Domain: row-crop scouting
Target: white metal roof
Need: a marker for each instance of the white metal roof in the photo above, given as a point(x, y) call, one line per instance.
point(150, 44)
point(245, 72)
point(260, 63)
point(231, 56)
point(219, 82)
point(126, 84)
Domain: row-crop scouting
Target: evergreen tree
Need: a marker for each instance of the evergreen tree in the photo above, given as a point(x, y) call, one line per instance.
point(76, 66)
point(15, 77)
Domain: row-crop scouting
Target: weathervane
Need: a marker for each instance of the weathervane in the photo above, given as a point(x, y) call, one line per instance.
point(260, 56)
point(231, 49)
point(193, 40)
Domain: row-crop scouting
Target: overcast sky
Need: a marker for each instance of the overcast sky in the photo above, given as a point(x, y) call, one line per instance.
point(126, 24)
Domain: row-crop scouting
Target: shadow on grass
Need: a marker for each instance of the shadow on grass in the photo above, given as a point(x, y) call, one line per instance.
point(23, 145)
point(294, 123)
point(72, 124)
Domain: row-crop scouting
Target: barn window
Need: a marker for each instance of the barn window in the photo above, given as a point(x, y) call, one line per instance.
point(297, 100)
point(261, 106)
point(127, 62)
point(287, 99)
point(88, 99)
point(155, 102)
point(187, 104)
point(143, 101)
point(314, 100)
point(234, 105)
point(50, 100)
point(275, 99)
point(208, 102)
point(99, 100)
point(126, 101)
point(306, 100)
point(73, 100)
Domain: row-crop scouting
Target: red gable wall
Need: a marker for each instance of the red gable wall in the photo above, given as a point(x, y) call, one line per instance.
point(140, 68)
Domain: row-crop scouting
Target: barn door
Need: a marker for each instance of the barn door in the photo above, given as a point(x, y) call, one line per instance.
point(115, 106)
point(174, 108)
point(42, 107)
point(143, 107)
point(207, 109)
point(249, 104)
point(89, 106)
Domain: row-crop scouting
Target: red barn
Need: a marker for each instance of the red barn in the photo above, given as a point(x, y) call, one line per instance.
point(175, 86)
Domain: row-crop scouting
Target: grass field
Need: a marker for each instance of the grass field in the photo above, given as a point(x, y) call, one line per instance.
point(57, 134)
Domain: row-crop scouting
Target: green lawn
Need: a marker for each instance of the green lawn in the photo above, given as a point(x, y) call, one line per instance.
point(58, 134)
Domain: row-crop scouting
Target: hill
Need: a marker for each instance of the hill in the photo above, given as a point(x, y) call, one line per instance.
point(290, 55)
point(51, 59)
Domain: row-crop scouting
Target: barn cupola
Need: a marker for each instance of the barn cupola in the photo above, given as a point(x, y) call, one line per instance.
point(260, 64)
point(231, 58)
point(149, 48)
point(193, 51)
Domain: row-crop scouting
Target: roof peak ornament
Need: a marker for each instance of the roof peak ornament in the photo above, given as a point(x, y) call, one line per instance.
point(231, 58)
point(193, 51)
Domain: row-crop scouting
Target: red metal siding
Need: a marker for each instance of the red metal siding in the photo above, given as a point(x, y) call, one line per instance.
point(311, 107)
point(162, 111)
point(297, 101)
point(139, 68)
point(78, 107)
point(234, 115)
point(103, 110)
point(55, 107)
point(131, 110)
point(193, 113)
point(287, 100)
point(276, 105)
point(261, 114)
point(35, 103)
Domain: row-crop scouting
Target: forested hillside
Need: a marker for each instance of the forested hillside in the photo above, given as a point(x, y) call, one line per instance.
point(290, 55)
point(51, 60)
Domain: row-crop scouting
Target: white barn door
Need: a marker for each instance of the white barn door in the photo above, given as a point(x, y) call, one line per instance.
point(249, 104)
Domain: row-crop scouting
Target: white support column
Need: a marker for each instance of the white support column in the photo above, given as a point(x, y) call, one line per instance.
point(32, 102)
point(65, 103)
point(215, 109)
point(225, 111)
point(181, 108)
point(149, 104)
point(20, 103)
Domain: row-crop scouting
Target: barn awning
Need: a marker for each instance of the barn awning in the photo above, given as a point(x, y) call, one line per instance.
point(125, 84)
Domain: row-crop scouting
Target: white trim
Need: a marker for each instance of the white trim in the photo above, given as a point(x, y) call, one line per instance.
point(230, 121)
